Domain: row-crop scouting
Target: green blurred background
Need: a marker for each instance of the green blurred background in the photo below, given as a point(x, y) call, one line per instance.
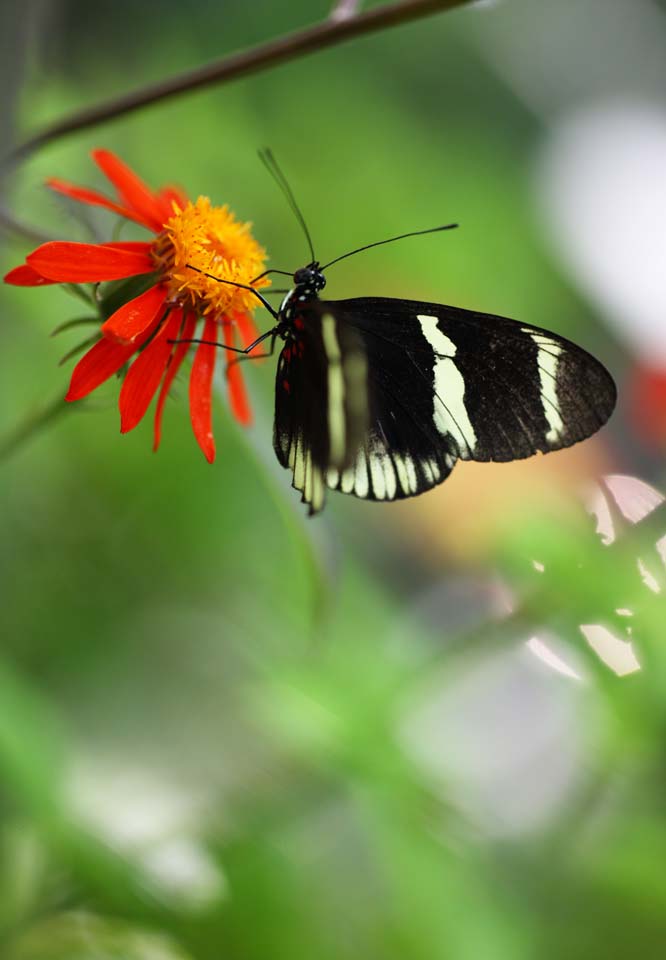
point(230, 732)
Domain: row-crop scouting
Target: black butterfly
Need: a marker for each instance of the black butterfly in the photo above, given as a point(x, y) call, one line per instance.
point(379, 397)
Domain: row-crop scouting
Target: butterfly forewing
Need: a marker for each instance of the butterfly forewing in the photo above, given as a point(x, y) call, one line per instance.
point(321, 411)
point(494, 388)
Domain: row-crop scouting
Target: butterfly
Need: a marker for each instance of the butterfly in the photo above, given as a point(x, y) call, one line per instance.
point(379, 397)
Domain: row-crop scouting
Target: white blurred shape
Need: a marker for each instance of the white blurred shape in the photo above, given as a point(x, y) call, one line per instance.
point(617, 654)
point(547, 655)
point(555, 54)
point(153, 821)
point(503, 603)
point(634, 498)
point(661, 548)
point(502, 738)
point(648, 577)
point(182, 866)
point(599, 507)
point(602, 178)
point(130, 806)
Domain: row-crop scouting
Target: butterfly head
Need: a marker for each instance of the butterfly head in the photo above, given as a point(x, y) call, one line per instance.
point(310, 279)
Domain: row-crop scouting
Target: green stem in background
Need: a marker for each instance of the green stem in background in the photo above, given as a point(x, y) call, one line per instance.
point(31, 425)
point(294, 520)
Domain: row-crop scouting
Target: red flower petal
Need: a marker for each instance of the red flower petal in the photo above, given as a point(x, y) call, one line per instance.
point(92, 197)
point(201, 385)
point(132, 190)
point(67, 262)
point(131, 246)
point(25, 276)
point(144, 376)
point(178, 355)
point(247, 329)
point(240, 405)
point(647, 403)
point(96, 366)
point(100, 363)
point(135, 316)
point(170, 195)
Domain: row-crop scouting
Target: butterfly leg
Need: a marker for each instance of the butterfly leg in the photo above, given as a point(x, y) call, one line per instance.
point(255, 356)
point(283, 273)
point(243, 350)
point(242, 286)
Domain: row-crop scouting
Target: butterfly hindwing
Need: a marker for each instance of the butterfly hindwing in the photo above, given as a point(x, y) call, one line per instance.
point(320, 401)
point(401, 453)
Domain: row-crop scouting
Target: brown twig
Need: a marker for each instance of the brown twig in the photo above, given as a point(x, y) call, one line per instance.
point(317, 37)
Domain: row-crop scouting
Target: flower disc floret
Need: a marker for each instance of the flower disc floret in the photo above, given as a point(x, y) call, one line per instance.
point(211, 240)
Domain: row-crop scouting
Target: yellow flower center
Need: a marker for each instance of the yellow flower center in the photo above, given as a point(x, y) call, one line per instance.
point(216, 243)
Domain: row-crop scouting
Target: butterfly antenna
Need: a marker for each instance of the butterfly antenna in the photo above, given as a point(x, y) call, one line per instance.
point(379, 243)
point(269, 161)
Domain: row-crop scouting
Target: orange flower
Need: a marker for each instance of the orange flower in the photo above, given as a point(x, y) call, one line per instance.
point(197, 234)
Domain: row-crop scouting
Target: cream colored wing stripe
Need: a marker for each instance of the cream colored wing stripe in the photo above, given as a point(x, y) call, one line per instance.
point(336, 390)
point(299, 463)
point(361, 482)
point(383, 477)
point(406, 472)
point(451, 417)
point(548, 359)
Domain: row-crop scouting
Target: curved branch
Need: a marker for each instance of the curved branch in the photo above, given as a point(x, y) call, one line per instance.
point(318, 37)
point(10, 224)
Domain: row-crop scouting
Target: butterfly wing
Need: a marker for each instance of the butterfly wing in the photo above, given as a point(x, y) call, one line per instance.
point(440, 384)
point(321, 410)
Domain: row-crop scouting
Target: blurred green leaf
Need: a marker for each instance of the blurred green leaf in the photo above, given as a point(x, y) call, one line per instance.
point(83, 936)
